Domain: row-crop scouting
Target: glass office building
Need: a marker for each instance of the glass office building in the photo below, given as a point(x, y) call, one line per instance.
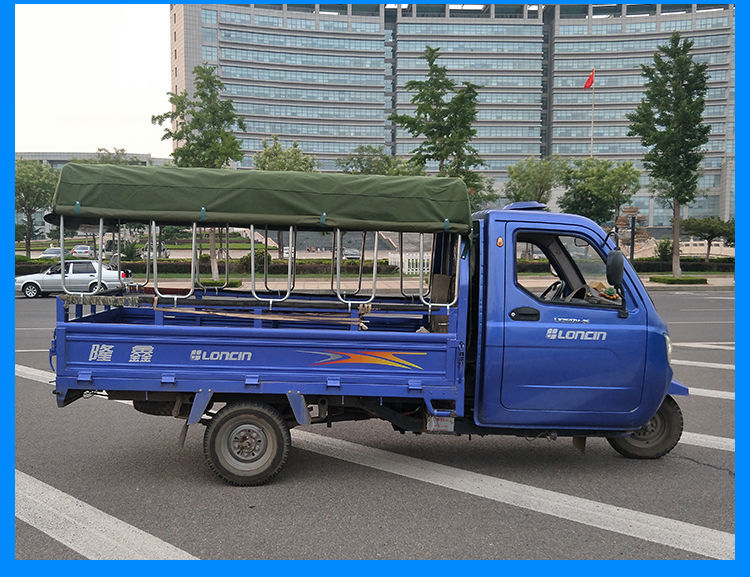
point(328, 75)
point(615, 40)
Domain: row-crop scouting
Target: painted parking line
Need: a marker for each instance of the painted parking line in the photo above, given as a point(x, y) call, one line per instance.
point(714, 346)
point(652, 528)
point(87, 530)
point(670, 323)
point(712, 393)
point(707, 441)
point(670, 532)
point(725, 366)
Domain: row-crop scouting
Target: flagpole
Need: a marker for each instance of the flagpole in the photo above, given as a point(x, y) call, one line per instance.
point(593, 88)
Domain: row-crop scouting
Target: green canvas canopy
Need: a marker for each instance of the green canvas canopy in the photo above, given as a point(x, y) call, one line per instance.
point(88, 192)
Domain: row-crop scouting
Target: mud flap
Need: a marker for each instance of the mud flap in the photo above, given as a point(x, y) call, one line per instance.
point(677, 388)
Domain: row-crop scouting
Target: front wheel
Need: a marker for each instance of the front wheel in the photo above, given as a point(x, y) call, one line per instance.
point(247, 443)
point(656, 438)
point(31, 291)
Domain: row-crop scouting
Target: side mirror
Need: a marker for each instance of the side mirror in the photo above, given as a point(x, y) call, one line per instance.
point(615, 267)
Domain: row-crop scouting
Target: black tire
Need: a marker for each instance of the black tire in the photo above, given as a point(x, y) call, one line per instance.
point(31, 291)
point(92, 287)
point(656, 438)
point(247, 443)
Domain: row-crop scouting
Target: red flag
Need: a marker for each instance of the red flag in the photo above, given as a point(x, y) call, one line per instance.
point(589, 80)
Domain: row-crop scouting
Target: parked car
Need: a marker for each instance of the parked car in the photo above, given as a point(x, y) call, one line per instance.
point(53, 252)
point(83, 251)
point(80, 276)
point(352, 254)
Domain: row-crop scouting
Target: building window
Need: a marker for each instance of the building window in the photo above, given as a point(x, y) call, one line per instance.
point(208, 16)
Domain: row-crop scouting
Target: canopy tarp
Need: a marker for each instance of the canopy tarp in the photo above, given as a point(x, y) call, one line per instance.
point(87, 192)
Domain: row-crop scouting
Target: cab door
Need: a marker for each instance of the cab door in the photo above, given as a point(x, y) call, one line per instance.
point(576, 352)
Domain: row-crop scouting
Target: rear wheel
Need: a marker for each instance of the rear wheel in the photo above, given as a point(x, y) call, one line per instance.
point(93, 285)
point(247, 443)
point(656, 438)
point(31, 291)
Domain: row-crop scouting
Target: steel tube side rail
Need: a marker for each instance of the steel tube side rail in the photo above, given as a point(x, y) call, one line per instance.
point(148, 258)
point(422, 295)
point(339, 250)
point(290, 267)
point(156, 271)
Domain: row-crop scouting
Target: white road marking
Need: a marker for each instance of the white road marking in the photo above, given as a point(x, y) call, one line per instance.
point(670, 532)
point(708, 441)
point(707, 311)
point(661, 530)
point(87, 530)
point(670, 323)
point(726, 346)
point(713, 393)
point(702, 364)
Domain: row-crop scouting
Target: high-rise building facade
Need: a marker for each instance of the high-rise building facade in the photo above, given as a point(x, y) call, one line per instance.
point(615, 40)
point(327, 76)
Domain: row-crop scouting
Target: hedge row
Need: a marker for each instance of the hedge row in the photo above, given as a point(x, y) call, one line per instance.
point(240, 266)
point(650, 265)
point(323, 266)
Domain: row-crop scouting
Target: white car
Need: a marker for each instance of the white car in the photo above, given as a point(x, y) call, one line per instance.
point(80, 276)
point(82, 251)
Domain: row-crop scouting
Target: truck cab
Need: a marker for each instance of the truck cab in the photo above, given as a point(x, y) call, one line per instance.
point(560, 347)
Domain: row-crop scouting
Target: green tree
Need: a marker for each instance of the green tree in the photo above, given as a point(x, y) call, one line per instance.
point(597, 188)
point(533, 179)
point(202, 128)
point(104, 156)
point(371, 159)
point(35, 185)
point(444, 118)
point(202, 124)
point(669, 123)
point(274, 156)
point(709, 229)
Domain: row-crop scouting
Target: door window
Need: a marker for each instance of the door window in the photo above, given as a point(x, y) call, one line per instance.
point(83, 268)
point(562, 268)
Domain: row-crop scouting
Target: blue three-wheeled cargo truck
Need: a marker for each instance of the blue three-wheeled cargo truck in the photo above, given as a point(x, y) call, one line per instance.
point(467, 344)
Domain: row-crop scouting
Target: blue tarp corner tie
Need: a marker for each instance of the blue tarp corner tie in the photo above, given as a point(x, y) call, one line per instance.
point(446, 225)
point(322, 219)
point(77, 208)
point(203, 213)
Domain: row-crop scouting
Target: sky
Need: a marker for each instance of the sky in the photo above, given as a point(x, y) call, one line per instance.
point(91, 76)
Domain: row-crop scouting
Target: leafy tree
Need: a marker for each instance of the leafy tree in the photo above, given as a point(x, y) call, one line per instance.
point(669, 122)
point(35, 185)
point(202, 124)
point(104, 156)
point(664, 249)
point(533, 179)
point(729, 234)
point(709, 229)
point(597, 188)
point(444, 118)
point(203, 131)
point(274, 156)
point(370, 159)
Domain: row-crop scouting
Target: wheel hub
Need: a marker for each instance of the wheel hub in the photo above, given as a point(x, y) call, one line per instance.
point(651, 431)
point(247, 443)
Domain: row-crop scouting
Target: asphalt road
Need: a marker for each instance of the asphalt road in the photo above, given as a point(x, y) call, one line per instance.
point(362, 491)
